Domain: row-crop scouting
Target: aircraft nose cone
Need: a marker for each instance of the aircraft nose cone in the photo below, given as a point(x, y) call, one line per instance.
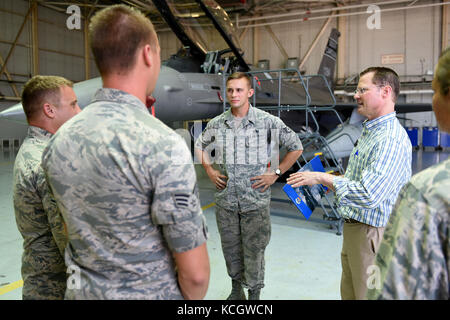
point(14, 113)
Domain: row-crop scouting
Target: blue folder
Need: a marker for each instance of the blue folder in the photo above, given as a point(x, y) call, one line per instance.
point(305, 198)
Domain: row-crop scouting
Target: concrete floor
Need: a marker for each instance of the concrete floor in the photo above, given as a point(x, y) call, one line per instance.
point(302, 258)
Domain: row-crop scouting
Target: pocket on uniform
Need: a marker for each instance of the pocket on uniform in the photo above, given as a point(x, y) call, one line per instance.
point(372, 237)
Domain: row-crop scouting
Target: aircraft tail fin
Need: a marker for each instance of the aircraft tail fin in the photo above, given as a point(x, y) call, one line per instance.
point(328, 63)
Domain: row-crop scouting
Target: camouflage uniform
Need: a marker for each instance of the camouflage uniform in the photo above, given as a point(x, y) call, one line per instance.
point(243, 213)
point(39, 222)
point(413, 259)
point(126, 204)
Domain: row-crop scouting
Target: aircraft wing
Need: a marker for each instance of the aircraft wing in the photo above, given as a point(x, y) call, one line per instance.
point(412, 107)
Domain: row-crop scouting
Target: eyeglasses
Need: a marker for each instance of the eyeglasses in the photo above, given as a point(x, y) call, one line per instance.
point(360, 91)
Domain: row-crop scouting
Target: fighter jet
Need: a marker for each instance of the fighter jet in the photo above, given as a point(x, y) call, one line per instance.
point(191, 85)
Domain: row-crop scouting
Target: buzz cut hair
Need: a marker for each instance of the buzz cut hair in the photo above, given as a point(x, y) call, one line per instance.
point(240, 75)
point(383, 76)
point(115, 35)
point(42, 89)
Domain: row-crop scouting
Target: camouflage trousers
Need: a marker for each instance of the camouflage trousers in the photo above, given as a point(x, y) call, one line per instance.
point(44, 286)
point(244, 237)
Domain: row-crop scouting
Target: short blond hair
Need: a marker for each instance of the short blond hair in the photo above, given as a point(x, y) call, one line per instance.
point(115, 35)
point(41, 89)
point(240, 75)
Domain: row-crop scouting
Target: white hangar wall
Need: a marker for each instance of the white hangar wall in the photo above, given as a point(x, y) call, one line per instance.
point(414, 33)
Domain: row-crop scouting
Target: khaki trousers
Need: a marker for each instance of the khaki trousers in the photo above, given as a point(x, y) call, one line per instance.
point(361, 242)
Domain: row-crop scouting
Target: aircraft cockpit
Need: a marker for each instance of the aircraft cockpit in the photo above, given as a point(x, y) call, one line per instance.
point(208, 35)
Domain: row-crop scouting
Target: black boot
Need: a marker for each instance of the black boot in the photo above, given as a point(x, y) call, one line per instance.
point(254, 294)
point(237, 292)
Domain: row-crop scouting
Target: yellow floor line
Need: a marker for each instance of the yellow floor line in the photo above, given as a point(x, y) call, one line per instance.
point(212, 204)
point(10, 287)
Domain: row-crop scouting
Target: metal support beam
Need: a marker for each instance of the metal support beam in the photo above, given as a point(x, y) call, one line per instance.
point(342, 47)
point(34, 38)
point(241, 36)
point(444, 40)
point(255, 46)
point(68, 3)
point(19, 44)
point(8, 76)
point(316, 40)
point(277, 41)
point(87, 60)
point(15, 41)
point(5, 98)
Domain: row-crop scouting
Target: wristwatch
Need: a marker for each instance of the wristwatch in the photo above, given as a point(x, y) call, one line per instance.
point(278, 172)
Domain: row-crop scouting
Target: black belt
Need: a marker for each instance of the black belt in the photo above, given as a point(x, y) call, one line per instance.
point(347, 220)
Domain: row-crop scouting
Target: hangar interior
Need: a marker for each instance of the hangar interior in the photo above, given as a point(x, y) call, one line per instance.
point(46, 37)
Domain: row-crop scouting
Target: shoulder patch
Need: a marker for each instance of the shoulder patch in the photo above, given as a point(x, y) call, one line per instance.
point(184, 200)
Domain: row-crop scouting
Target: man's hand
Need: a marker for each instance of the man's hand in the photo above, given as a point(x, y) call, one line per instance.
point(265, 181)
point(219, 180)
point(310, 178)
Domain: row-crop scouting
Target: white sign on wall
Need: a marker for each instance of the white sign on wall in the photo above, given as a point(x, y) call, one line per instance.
point(392, 59)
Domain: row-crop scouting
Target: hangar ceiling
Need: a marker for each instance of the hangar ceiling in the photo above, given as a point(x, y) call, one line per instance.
point(250, 11)
point(245, 14)
point(243, 8)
